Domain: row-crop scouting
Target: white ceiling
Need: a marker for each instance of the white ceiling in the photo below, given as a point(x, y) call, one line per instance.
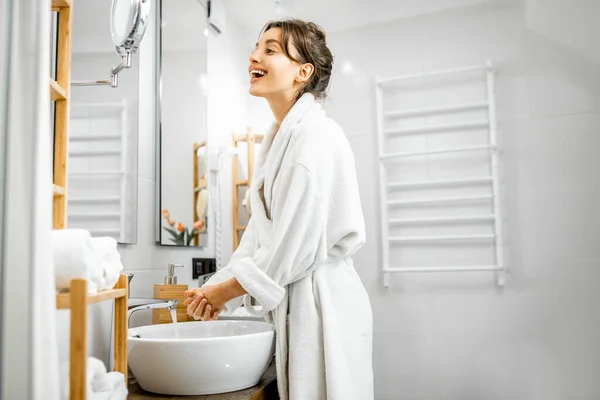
point(337, 15)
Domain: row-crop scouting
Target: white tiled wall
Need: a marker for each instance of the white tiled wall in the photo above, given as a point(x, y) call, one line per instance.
point(458, 336)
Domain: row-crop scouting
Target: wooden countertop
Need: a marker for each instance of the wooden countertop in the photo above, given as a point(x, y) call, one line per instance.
point(265, 390)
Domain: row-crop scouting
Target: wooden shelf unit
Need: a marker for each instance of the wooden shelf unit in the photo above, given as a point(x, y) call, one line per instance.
point(63, 300)
point(77, 300)
point(250, 138)
point(61, 3)
point(59, 92)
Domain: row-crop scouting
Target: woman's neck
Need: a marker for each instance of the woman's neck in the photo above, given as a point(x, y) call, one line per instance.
point(281, 106)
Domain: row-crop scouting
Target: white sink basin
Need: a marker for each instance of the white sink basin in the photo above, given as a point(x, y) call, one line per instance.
point(240, 314)
point(198, 358)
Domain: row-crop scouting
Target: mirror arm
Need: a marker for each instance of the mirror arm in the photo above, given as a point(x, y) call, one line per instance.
point(114, 76)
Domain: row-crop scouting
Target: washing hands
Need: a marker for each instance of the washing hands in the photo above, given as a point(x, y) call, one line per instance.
point(204, 303)
point(207, 302)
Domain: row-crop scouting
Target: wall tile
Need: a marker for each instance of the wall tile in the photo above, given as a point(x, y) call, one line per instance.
point(560, 82)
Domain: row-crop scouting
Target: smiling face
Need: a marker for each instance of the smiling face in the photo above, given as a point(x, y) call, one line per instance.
point(272, 74)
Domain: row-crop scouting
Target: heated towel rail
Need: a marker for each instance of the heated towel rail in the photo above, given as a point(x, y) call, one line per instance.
point(495, 217)
point(101, 223)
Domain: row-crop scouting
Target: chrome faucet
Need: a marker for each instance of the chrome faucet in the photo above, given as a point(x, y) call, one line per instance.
point(145, 304)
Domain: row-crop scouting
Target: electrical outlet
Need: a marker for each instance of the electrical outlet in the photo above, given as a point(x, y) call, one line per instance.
point(203, 266)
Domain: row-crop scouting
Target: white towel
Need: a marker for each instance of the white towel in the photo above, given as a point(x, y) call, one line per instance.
point(201, 206)
point(100, 385)
point(246, 202)
point(110, 261)
point(74, 257)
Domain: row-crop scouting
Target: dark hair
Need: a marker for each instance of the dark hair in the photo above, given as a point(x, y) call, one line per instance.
point(310, 42)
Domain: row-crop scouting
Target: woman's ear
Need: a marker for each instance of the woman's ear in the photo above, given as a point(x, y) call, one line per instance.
point(305, 72)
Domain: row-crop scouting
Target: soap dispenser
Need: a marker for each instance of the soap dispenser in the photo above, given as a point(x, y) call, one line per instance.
point(170, 290)
point(171, 279)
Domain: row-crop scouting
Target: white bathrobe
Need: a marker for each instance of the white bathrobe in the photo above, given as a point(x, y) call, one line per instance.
point(295, 259)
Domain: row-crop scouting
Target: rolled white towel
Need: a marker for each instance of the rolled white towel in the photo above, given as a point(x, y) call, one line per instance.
point(110, 386)
point(110, 260)
point(100, 385)
point(74, 257)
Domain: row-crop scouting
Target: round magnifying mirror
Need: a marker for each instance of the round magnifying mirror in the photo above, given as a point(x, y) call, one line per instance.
point(128, 21)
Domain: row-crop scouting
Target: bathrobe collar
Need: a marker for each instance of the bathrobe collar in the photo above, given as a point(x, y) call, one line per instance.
point(272, 153)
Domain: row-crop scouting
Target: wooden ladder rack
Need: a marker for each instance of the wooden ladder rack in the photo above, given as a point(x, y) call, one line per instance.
point(250, 138)
point(59, 92)
point(77, 300)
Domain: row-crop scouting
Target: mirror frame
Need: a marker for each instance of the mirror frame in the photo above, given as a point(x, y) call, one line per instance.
point(136, 26)
point(157, 120)
point(158, 132)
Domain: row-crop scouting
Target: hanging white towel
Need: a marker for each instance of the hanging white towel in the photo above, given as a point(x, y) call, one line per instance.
point(110, 261)
point(247, 203)
point(295, 258)
point(100, 385)
point(201, 205)
point(74, 257)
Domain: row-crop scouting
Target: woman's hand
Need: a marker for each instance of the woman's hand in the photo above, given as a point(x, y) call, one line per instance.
point(204, 303)
point(207, 302)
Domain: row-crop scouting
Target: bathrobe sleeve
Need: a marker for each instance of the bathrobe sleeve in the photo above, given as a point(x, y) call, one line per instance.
point(245, 249)
point(298, 240)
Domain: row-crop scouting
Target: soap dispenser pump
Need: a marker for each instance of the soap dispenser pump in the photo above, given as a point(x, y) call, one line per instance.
point(170, 290)
point(171, 279)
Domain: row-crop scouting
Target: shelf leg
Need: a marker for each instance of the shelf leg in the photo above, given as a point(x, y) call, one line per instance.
point(78, 350)
point(121, 328)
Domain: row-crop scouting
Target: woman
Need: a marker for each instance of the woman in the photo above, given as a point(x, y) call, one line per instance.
point(294, 259)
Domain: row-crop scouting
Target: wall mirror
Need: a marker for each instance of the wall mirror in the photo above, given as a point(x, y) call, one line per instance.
point(182, 123)
point(103, 143)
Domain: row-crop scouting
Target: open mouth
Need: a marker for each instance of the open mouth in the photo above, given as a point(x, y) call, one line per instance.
point(257, 74)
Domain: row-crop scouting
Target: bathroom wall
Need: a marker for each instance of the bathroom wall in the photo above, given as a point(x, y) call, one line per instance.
point(457, 335)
